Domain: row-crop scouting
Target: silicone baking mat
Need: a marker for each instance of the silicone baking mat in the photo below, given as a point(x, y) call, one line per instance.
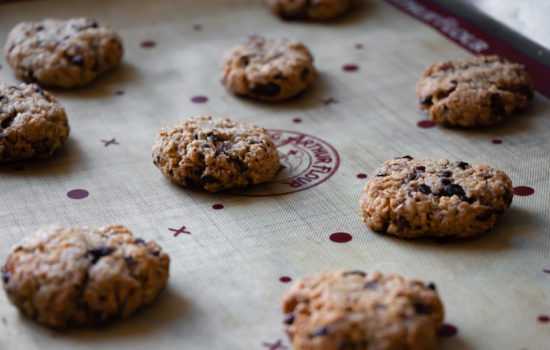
point(233, 255)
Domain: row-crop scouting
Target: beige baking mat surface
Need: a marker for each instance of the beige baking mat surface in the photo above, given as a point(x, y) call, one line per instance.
point(224, 290)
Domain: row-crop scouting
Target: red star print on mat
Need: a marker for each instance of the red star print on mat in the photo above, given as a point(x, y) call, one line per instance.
point(179, 231)
point(278, 345)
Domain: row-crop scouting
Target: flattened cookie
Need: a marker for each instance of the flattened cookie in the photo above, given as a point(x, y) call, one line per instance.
point(70, 276)
point(475, 91)
point(434, 197)
point(269, 70)
point(313, 9)
point(32, 123)
point(340, 309)
point(215, 154)
point(62, 53)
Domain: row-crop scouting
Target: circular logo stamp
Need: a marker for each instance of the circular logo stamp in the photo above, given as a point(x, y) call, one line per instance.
point(306, 161)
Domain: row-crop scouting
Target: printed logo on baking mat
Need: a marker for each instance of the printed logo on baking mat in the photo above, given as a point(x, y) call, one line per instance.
point(306, 161)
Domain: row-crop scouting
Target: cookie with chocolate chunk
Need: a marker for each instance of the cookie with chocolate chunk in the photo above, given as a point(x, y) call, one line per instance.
point(62, 53)
point(215, 154)
point(343, 309)
point(32, 123)
point(475, 91)
point(268, 70)
point(309, 9)
point(65, 276)
point(434, 197)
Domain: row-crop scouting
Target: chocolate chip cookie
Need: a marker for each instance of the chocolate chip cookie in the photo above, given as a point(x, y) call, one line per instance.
point(71, 276)
point(475, 91)
point(312, 9)
point(341, 309)
point(62, 53)
point(215, 154)
point(268, 70)
point(32, 123)
point(434, 197)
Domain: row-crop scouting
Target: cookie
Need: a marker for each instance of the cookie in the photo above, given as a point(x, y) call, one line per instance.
point(268, 70)
point(312, 9)
point(475, 91)
point(70, 276)
point(32, 123)
point(356, 310)
point(62, 53)
point(434, 197)
point(215, 154)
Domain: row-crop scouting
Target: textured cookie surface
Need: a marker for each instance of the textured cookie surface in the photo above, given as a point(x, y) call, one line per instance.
point(434, 197)
point(269, 70)
point(215, 154)
point(70, 276)
point(313, 9)
point(475, 91)
point(32, 123)
point(62, 53)
point(356, 310)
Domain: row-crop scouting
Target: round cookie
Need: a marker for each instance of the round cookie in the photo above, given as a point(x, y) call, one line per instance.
point(434, 197)
point(215, 154)
point(70, 276)
point(312, 9)
point(475, 91)
point(32, 123)
point(268, 70)
point(62, 53)
point(340, 309)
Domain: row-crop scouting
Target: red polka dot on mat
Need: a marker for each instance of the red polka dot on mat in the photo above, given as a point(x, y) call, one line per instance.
point(361, 176)
point(447, 330)
point(546, 270)
point(544, 318)
point(77, 194)
point(148, 44)
point(119, 92)
point(197, 27)
point(496, 141)
point(285, 279)
point(523, 191)
point(217, 206)
point(296, 120)
point(350, 68)
point(358, 46)
point(199, 99)
point(425, 124)
point(340, 237)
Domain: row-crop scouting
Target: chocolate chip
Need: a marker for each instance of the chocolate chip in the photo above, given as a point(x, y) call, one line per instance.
point(431, 286)
point(320, 331)
point(212, 136)
point(462, 165)
point(526, 91)
point(355, 272)
point(444, 181)
point(2, 97)
point(97, 253)
point(78, 60)
point(371, 285)
point(381, 174)
point(486, 215)
point(93, 24)
point(269, 89)
point(139, 241)
point(453, 81)
point(244, 61)
point(171, 172)
point(427, 100)
point(129, 260)
point(156, 253)
point(497, 106)
point(454, 190)
point(39, 27)
point(289, 319)
point(507, 196)
point(208, 179)
point(445, 173)
point(402, 223)
point(405, 157)
point(5, 275)
point(421, 308)
point(424, 189)
point(420, 168)
point(305, 73)
point(40, 90)
point(223, 147)
point(7, 121)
